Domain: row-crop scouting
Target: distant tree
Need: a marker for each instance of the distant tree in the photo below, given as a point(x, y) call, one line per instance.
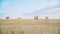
point(18, 18)
point(7, 17)
point(46, 17)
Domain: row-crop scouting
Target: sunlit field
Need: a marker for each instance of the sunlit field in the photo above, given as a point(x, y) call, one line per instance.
point(29, 26)
point(29, 16)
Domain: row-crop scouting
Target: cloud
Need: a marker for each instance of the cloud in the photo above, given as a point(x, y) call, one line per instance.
point(50, 4)
point(46, 6)
point(53, 10)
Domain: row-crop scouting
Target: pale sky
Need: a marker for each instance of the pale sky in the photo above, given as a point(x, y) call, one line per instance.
point(30, 8)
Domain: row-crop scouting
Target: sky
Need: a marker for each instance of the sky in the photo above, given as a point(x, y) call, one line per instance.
point(30, 8)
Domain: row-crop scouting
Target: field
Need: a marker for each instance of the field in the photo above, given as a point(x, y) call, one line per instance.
point(29, 26)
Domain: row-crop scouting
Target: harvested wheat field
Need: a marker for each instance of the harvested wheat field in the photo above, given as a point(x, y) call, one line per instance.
point(29, 26)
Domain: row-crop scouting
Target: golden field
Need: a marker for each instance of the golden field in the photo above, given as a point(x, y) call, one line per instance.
point(29, 26)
